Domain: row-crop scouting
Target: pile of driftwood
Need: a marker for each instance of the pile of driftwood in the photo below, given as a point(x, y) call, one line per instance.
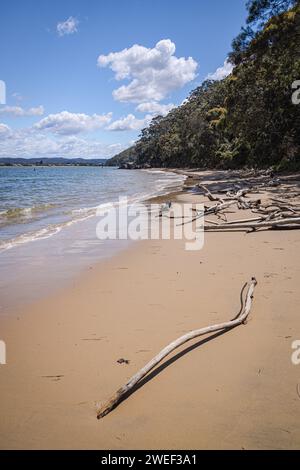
point(274, 213)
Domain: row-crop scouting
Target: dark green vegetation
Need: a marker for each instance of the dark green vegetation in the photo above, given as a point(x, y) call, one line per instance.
point(127, 156)
point(247, 119)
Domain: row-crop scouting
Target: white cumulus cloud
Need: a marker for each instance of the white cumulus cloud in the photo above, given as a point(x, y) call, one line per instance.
point(152, 73)
point(129, 123)
point(17, 111)
point(155, 108)
point(33, 143)
point(66, 123)
point(221, 72)
point(68, 26)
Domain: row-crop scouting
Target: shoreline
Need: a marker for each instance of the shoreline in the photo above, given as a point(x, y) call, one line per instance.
point(35, 250)
point(237, 390)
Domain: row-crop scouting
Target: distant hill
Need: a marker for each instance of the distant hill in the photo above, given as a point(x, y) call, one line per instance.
point(55, 161)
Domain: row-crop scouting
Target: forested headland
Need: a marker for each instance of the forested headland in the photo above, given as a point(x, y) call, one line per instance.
point(249, 119)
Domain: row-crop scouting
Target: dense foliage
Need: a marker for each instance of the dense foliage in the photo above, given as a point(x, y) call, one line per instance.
point(127, 155)
point(249, 117)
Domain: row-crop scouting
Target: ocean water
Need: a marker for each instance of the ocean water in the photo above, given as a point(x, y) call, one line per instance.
point(48, 222)
point(38, 202)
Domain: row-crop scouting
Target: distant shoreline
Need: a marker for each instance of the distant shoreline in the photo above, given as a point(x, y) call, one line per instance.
point(55, 161)
point(14, 165)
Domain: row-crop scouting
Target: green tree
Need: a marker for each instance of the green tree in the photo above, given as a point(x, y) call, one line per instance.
point(247, 119)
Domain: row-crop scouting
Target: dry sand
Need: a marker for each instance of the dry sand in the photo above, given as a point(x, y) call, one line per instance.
point(235, 390)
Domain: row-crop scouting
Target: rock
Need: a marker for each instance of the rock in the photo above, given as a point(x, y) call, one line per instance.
point(123, 361)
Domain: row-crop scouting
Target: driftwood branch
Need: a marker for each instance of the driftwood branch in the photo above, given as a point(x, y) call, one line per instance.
point(256, 225)
point(209, 195)
point(123, 391)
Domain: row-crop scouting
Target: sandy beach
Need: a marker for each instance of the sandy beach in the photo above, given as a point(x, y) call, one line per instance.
point(234, 390)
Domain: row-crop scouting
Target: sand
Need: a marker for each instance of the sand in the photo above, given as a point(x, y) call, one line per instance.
point(237, 390)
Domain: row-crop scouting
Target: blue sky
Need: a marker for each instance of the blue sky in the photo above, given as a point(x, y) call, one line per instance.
point(63, 100)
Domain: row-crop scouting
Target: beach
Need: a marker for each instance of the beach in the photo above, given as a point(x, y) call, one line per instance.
point(234, 390)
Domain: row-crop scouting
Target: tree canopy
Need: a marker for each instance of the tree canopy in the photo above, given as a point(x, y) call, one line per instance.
point(249, 117)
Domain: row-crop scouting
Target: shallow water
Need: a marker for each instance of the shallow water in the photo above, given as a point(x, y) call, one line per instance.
point(38, 202)
point(48, 218)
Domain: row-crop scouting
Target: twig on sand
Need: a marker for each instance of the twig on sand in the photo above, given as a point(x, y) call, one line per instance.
point(124, 391)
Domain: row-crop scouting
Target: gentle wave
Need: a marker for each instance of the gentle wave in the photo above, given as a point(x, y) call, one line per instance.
point(28, 237)
point(40, 234)
point(159, 171)
point(24, 212)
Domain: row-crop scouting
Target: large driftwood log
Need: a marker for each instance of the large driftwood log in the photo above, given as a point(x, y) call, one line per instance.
point(123, 391)
point(257, 225)
point(240, 221)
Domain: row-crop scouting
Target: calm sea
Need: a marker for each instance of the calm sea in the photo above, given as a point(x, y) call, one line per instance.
point(48, 221)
